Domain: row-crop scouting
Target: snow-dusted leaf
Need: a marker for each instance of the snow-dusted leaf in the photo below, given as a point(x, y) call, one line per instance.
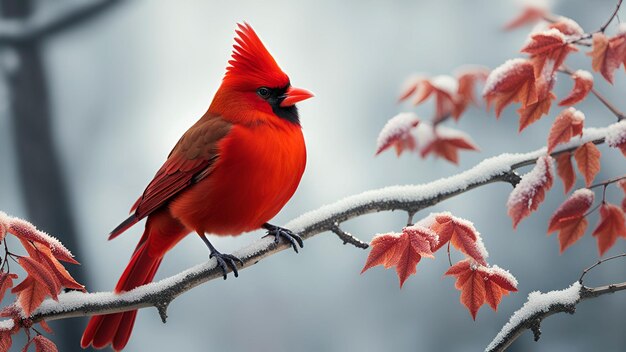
point(548, 46)
point(461, 234)
point(480, 284)
point(43, 255)
point(25, 230)
point(397, 133)
point(569, 218)
point(513, 81)
point(565, 170)
point(567, 26)
point(567, 124)
point(583, 83)
point(588, 161)
point(530, 191)
point(608, 54)
point(467, 78)
point(611, 225)
point(616, 138)
point(404, 251)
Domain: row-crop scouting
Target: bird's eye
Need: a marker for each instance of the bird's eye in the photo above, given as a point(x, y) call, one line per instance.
point(263, 92)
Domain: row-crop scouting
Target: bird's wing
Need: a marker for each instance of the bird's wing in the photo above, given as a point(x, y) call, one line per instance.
point(189, 161)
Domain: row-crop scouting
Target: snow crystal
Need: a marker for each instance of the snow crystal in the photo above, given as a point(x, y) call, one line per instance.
point(617, 134)
point(397, 125)
point(537, 303)
point(496, 270)
point(531, 182)
point(6, 325)
point(445, 83)
point(577, 115)
point(584, 74)
point(500, 73)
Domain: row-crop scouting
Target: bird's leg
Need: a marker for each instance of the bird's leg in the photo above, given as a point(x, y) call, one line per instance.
point(279, 232)
point(222, 259)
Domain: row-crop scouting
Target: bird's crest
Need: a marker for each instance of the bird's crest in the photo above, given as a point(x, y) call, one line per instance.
point(251, 60)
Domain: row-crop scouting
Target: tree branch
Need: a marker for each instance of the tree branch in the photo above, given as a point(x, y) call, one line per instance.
point(49, 19)
point(411, 198)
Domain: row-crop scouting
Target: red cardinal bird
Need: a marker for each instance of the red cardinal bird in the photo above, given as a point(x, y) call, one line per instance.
point(231, 172)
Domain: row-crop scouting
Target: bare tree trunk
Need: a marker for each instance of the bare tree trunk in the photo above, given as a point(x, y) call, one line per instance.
point(40, 172)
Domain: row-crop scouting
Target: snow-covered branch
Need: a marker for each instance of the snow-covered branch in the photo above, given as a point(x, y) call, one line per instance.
point(542, 305)
point(49, 18)
point(410, 198)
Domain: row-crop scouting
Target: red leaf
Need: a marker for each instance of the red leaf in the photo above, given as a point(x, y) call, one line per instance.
point(607, 54)
point(446, 143)
point(404, 251)
point(611, 226)
point(461, 234)
point(467, 78)
point(397, 133)
point(480, 284)
point(566, 125)
point(588, 161)
point(530, 15)
point(44, 256)
point(569, 218)
point(40, 273)
point(30, 294)
point(583, 82)
point(45, 327)
point(513, 81)
point(43, 344)
point(24, 230)
point(550, 45)
point(530, 191)
point(5, 340)
point(567, 26)
point(565, 170)
point(6, 282)
point(533, 112)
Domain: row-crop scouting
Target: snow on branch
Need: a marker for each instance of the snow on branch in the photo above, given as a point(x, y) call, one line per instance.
point(542, 305)
point(49, 18)
point(410, 198)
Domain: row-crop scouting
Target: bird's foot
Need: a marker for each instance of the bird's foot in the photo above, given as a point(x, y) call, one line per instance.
point(287, 234)
point(225, 261)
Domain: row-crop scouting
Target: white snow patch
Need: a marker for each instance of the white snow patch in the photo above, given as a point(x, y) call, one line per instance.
point(617, 134)
point(552, 32)
point(501, 72)
point(6, 325)
point(504, 273)
point(584, 74)
point(445, 83)
point(537, 303)
point(621, 29)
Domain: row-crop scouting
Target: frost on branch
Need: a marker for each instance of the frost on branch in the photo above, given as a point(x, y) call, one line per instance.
point(531, 190)
point(536, 304)
point(569, 218)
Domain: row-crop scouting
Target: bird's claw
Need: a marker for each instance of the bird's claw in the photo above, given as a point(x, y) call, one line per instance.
point(226, 260)
point(287, 234)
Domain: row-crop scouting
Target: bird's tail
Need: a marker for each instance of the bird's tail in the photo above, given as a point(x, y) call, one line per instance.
point(162, 233)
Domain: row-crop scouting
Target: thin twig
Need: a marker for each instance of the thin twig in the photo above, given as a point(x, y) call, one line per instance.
point(603, 28)
point(598, 263)
point(348, 238)
point(607, 182)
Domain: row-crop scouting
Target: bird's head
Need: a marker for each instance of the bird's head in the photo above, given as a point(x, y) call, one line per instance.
point(254, 87)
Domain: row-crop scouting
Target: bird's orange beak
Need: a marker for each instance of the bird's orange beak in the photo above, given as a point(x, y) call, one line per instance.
point(294, 95)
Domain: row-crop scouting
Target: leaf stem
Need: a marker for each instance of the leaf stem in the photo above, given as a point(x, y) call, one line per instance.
point(607, 182)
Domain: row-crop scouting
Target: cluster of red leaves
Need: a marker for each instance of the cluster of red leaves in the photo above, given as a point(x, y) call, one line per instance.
point(571, 223)
point(401, 130)
point(404, 251)
point(452, 95)
point(46, 276)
